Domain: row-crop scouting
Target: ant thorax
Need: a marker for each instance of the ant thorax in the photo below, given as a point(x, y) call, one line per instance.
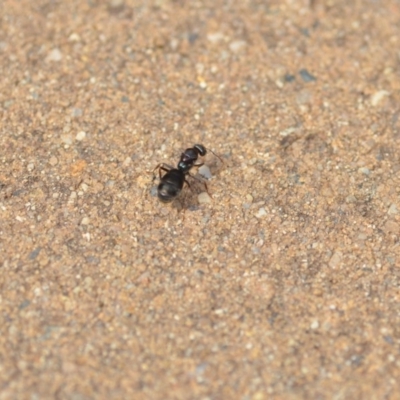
point(185, 166)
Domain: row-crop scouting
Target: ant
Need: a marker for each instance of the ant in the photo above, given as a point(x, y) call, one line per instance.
point(171, 184)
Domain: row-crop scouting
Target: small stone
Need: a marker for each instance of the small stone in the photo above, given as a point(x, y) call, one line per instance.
point(153, 191)
point(80, 136)
point(336, 259)
point(364, 170)
point(314, 325)
point(306, 76)
point(8, 103)
point(204, 198)
point(393, 209)
point(261, 213)
point(378, 96)
point(215, 37)
point(30, 167)
point(192, 37)
point(53, 161)
point(74, 37)
point(54, 55)
point(351, 199)
point(85, 221)
point(116, 5)
point(34, 253)
point(289, 78)
point(127, 162)
point(249, 198)
point(205, 172)
point(237, 46)
point(174, 44)
point(288, 131)
point(392, 227)
point(88, 281)
point(77, 112)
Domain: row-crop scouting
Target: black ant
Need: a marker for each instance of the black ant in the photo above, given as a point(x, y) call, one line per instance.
point(172, 182)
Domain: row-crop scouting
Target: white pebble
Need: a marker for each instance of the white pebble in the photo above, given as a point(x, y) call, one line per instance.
point(127, 162)
point(378, 96)
point(85, 221)
point(288, 131)
point(314, 325)
point(30, 167)
point(336, 259)
point(80, 136)
point(261, 213)
point(392, 209)
point(74, 37)
point(364, 170)
point(54, 55)
point(205, 172)
point(204, 198)
point(237, 45)
point(174, 44)
point(215, 37)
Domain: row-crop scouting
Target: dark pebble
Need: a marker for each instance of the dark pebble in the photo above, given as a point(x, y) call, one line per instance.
point(24, 304)
point(388, 339)
point(289, 78)
point(93, 260)
point(192, 37)
point(306, 76)
point(305, 32)
point(34, 253)
point(18, 192)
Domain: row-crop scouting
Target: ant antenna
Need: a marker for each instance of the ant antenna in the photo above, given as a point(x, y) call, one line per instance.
point(216, 155)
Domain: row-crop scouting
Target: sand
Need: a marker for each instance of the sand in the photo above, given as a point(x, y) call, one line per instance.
point(283, 283)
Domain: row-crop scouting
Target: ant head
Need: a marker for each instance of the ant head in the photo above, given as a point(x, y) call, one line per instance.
point(200, 149)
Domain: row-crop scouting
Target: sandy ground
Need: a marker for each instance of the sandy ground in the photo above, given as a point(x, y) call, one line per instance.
point(284, 284)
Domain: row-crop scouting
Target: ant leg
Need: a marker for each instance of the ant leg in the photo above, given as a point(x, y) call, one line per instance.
point(194, 177)
point(200, 180)
point(187, 183)
point(205, 184)
point(216, 155)
point(161, 167)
